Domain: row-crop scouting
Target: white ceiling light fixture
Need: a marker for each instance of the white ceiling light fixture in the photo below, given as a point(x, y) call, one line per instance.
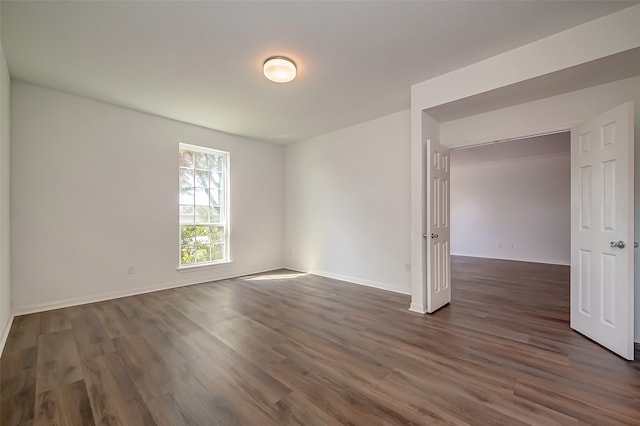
point(279, 69)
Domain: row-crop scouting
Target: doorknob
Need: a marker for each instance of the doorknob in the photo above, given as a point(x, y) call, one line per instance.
point(432, 235)
point(635, 244)
point(619, 244)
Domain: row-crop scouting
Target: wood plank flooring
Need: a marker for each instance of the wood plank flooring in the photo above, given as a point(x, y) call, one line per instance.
point(286, 348)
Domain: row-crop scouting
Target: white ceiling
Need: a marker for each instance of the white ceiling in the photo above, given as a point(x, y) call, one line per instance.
point(200, 62)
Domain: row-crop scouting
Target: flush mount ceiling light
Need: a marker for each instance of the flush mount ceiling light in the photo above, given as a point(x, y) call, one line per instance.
point(279, 69)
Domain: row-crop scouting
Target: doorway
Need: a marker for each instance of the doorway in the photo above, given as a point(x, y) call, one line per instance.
point(602, 219)
point(511, 235)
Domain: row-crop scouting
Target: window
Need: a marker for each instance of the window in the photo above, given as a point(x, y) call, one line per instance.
point(204, 210)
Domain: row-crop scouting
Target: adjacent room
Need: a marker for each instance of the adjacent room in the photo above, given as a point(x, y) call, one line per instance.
point(319, 213)
point(510, 231)
point(512, 200)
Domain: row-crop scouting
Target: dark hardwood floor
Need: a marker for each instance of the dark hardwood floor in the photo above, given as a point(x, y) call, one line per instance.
point(285, 348)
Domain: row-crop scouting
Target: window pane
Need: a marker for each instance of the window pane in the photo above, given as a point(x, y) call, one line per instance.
point(203, 234)
point(202, 179)
point(202, 214)
point(215, 216)
point(215, 197)
point(215, 162)
point(186, 214)
point(203, 253)
point(186, 196)
point(202, 198)
point(216, 180)
point(217, 234)
point(186, 178)
point(217, 252)
point(201, 161)
point(187, 235)
point(186, 158)
point(187, 255)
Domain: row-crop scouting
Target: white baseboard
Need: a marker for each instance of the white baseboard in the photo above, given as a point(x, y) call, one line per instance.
point(520, 259)
point(418, 308)
point(360, 281)
point(75, 301)
point(5, 333)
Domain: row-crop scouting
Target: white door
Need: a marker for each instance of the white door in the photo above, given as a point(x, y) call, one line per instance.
point(602, 229)
point(438, 235)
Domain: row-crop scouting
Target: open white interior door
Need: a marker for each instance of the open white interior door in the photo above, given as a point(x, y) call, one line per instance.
point(437, 233)
point(602, 229)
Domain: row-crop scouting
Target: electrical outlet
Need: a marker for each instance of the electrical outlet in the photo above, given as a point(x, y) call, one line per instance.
point(511, 246)
point(131, 269)
point(499, 245)
point(407, 267)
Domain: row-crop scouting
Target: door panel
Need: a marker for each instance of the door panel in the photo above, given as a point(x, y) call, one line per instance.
point(601, 217)
point(438, 233)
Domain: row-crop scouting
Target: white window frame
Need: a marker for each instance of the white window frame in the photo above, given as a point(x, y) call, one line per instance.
point(226, 257)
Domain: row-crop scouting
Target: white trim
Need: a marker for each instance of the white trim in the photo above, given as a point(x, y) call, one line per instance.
point(360, 281)
point(510, 136)
point(418, 308)
point(5, 333)
point(493, 140)
point(65, 303)
point(203, 149)
point(200, 266)
point(545, 262)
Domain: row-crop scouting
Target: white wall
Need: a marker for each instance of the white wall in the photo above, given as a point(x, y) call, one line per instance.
point(5, 286)
point(512, 200)
point(347, 203)
point(94, 189)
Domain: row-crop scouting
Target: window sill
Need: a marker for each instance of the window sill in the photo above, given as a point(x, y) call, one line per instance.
point(188, 268)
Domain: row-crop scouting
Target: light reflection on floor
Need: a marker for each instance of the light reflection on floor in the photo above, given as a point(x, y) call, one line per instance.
point(276, 276)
